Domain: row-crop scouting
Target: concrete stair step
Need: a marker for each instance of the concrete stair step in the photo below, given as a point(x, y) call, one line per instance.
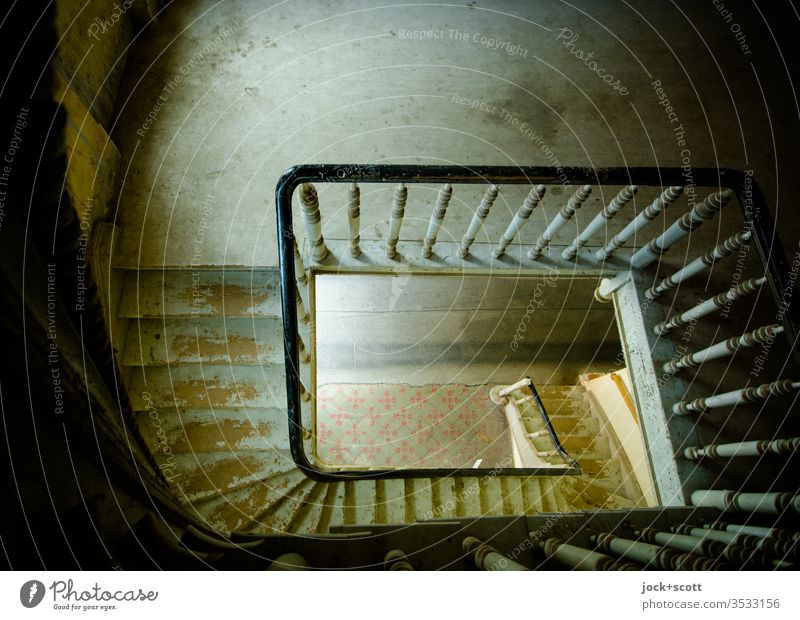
point(202, 293)
point(359, 502)
point(468, 497)
point(214, 430)
point(277, 517)
point(419, 499)
point(332, 513)
point(306, 520)
point(216, 386)
point(171, 341)
point(390, 501)
point(236, 510)
point(205, 475)
point(443, 497)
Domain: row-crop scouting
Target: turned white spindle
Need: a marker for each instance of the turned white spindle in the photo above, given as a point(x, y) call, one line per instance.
point(302, 353)
point(712, 304)
point(437, 217)
point(477, 220)
point(725, 348)
point(487, 557)
point(745, 548)
point(354, 218)
point(701, 212)
point(737, 397)
point(561, 218)
point(625, 195)
point(726, 248)
point(531, 202)
point(299, 268)
point(743, 448)
point(578, 558)
point(301, 309)
point(684, 543)
point(762, 503)
point(304, 393)
point(649, 555)
point(755, 530)
point(309, 207)
point(667, 197)
point(398, 210)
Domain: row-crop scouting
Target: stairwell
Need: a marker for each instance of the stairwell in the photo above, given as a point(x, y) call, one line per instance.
point(203, 363)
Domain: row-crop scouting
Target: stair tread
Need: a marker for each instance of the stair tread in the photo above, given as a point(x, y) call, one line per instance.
point(216, 386)
point(214, 430)
point(187, 293)
point(159, 342)
point(236, 510)
point(206, 475)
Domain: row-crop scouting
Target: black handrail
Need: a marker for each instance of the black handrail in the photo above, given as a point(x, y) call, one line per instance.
point(750, 197)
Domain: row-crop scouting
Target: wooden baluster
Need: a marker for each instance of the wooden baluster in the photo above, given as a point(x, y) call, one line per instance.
point(723, 349)
point(437, 217)
point(726, 248)
point(354, 218)
point(309, 207)
point(477, 220)
point(625, 195)
point(396, 560)
point(487, 557)
point(735, 549)
point(759, 503)
point(302, 353)
point(685, 543)
point(301, 309)
point(737, 397)
point(299, 268)
point(755, 530)
point(398, 210)
point(563, 216)
point(712, 304)
point(719, 451)
point(531, 202)
point(667, 197)
point(578, 558)
point(304, 394)
point(651, 556)
point(690, 221)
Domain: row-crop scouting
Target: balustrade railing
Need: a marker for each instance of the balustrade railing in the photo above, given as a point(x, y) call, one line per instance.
point(613, 258)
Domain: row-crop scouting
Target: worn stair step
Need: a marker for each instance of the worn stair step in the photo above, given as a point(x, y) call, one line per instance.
point(161, 342)
point(277, 517)
point(332, 514)
point(443, 496)
point(390, 506)
point(513, 496)
point(590, 495)
point(154, 294)
point(549, 500)
point(561, 392)
point(563, 408)
point(217, 386)
point(307, 518)
point(468, 496)
point(359, 502)
point(205, 475)
point(214, 430)
point(236, 510)
point(577, 446)
point(532, 495)
point(566, 426)
point(491, 496)
point(419, 499)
